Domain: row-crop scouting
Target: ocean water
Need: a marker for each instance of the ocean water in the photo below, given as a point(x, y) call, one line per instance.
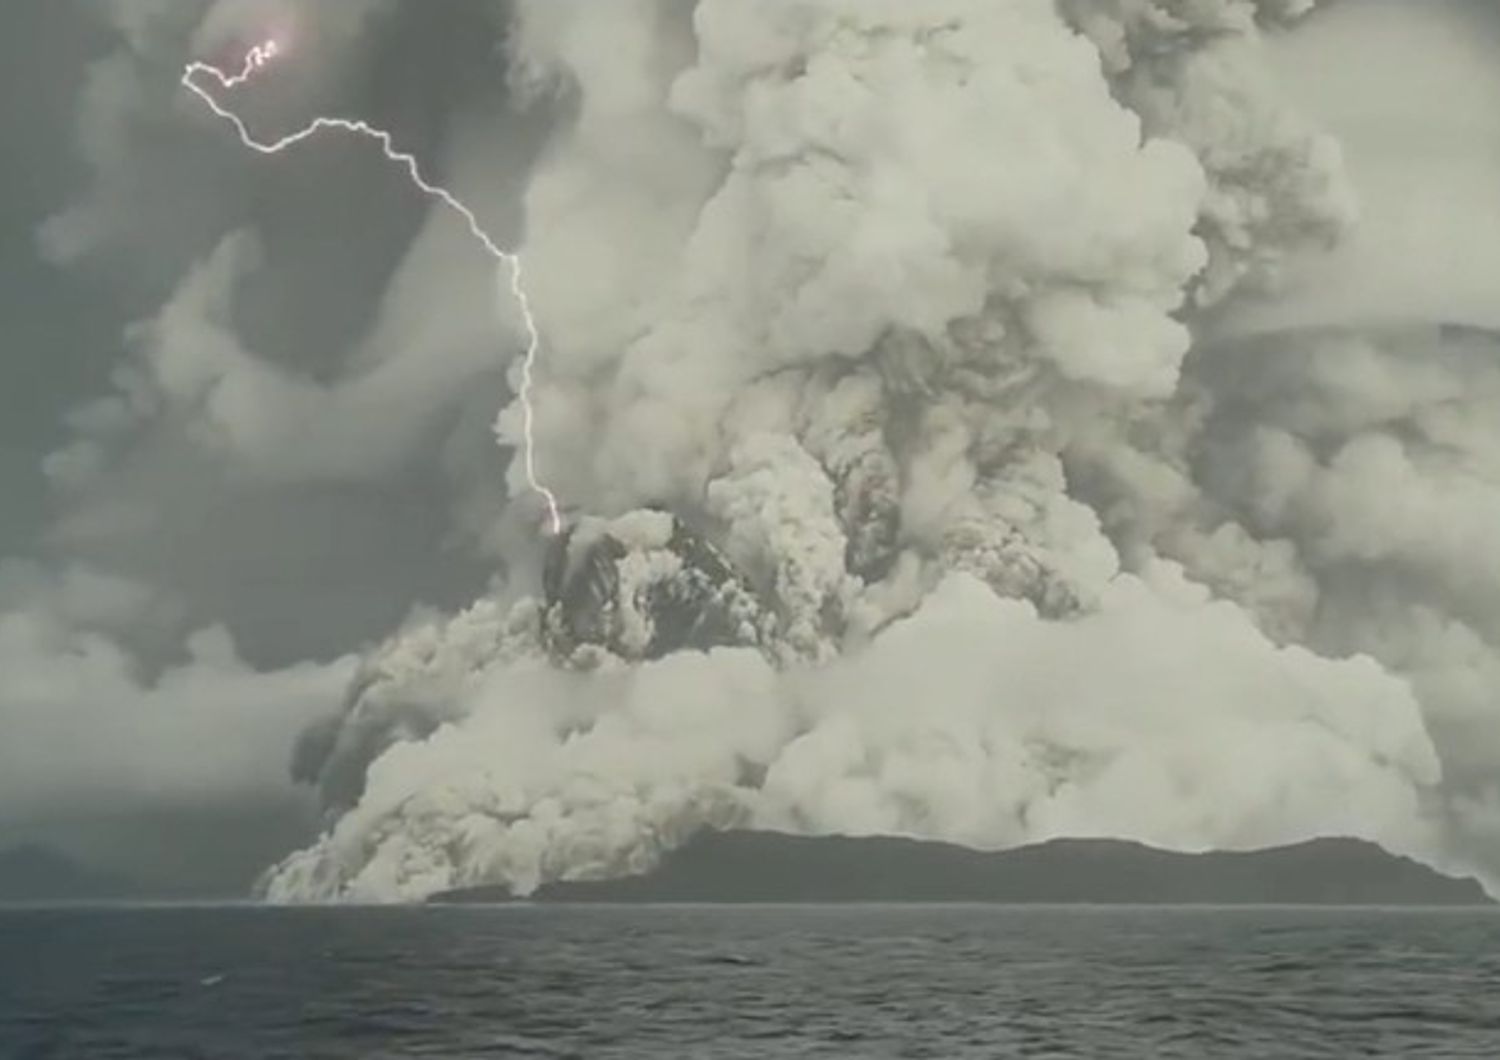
point(658, 983)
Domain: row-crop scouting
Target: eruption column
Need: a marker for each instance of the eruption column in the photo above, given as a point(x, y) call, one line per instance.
point(259, 57)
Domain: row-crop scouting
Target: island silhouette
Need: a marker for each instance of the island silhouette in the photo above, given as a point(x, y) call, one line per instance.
point(750, 867)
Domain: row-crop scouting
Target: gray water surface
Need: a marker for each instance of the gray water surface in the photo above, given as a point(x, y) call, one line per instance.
point(952, 982)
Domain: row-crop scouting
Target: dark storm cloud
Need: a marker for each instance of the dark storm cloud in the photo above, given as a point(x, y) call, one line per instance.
point(58, 332)
point(239, 395)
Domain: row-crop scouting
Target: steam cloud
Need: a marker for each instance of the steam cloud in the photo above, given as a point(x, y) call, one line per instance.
point(939, 463)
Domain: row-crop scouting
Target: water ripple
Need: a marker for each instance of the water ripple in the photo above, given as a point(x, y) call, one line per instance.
point(730, 983)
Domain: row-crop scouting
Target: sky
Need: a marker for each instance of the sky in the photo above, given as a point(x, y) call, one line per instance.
point(305, 582)
point(974, 339)
point(58, 327)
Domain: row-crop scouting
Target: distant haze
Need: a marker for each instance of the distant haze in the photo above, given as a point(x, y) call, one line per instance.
point(1423, 151)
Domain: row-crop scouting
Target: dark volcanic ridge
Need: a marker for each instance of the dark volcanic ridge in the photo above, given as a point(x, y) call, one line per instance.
point(751, 867)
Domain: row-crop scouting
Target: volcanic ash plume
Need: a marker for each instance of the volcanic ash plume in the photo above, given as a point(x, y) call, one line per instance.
point(867, 373)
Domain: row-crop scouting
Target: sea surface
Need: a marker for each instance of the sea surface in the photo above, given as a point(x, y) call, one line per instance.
point(658, 983)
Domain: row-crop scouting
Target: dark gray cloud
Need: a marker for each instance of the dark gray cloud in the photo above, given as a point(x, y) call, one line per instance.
point(154, 275)
point(58, 331)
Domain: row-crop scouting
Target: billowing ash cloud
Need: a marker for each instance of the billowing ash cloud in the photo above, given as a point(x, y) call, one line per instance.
point(886, 303)
point(912, 379)
point(1159, 715)
point(205, 731)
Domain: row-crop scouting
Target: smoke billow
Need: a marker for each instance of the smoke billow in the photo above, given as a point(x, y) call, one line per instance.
point(937, 461)
point(886, 304)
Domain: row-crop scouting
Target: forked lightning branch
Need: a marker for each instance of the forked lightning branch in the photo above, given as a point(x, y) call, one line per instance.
point(260, 57)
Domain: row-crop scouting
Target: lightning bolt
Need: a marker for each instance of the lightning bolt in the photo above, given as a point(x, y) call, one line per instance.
point(257, 59)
